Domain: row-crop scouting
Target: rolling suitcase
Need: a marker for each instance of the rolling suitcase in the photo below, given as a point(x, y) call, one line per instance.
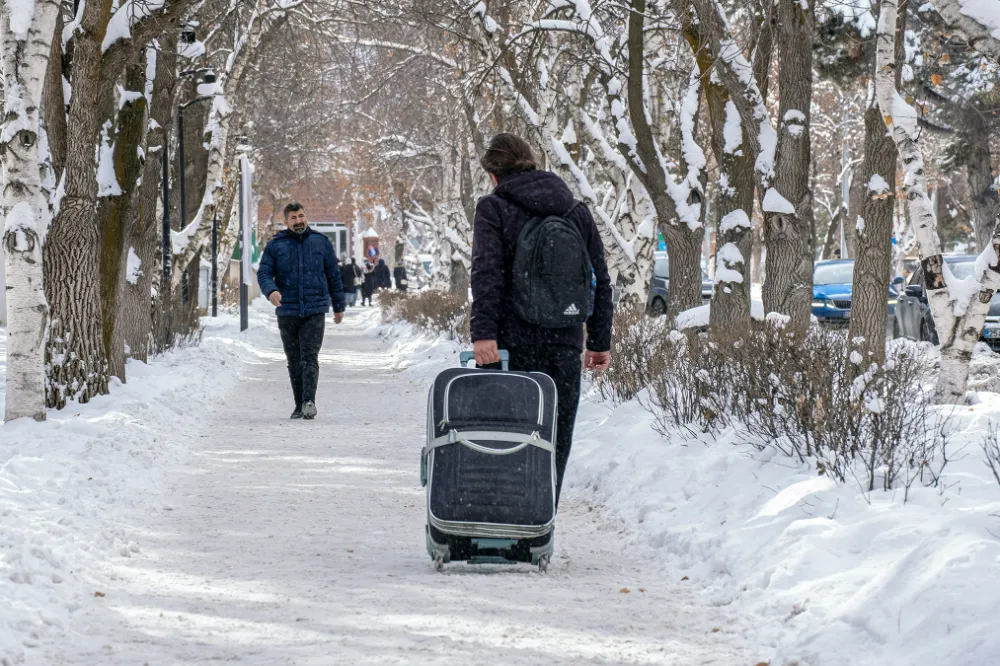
point(489, 466)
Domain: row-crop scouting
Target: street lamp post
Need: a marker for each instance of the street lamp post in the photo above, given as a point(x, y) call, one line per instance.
point(215, 266)
point(208, 77)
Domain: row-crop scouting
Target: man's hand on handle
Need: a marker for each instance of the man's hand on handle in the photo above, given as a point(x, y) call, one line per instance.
point(597, 361)
point(275, 298)
point(338, 317)
point(486, 352)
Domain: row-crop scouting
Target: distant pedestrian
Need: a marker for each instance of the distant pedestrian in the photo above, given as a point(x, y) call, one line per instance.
point(368, 284)
point(350, 289)
point(383, 279)
point(359, 276)
point(399, 275)
point(300, 275)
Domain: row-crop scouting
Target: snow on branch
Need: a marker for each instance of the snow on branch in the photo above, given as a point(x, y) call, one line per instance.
point(978, 20)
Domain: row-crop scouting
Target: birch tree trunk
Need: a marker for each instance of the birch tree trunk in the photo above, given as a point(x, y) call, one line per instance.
point(873, 249)
point(23, 62)
point(788, 204)
point(957, 334)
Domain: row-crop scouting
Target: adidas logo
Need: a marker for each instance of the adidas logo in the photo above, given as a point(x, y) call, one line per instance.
point(571, 310)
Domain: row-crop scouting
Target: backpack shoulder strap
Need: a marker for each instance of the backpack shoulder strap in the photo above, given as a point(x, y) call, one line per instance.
point(573, 206)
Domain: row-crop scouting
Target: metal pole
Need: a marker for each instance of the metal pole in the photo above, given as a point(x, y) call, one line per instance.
point(215, 263)
point(166, 248)
point(244, 295)
point(180, 159)
point(181, 179)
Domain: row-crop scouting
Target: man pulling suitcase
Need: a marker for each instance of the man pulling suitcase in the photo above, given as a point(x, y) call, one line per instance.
point(535, 256)
point(498, 440)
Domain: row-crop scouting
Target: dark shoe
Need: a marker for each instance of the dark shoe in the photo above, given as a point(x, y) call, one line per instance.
point(297, 414)
point(309, 410)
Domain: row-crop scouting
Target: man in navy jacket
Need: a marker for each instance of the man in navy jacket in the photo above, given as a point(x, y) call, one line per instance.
point(300, 275)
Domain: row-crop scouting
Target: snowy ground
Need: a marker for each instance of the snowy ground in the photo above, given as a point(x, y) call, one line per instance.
point(215, 529)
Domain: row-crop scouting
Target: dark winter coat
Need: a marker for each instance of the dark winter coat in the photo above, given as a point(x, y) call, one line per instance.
point(383, 279)
point(304, 269)
point(347, 277)
point(368, 286)
point(500, 217)
point(399, 275)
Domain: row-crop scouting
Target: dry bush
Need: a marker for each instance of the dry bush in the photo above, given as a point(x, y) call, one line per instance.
point(991, 447)
point(435, 311)
point(637, 355)
point(802, 396)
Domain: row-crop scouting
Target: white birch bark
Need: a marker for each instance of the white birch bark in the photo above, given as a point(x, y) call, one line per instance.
point(957, 333)
point(25, 53)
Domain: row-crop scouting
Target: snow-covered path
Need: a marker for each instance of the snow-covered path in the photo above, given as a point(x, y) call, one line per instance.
point(302, 543)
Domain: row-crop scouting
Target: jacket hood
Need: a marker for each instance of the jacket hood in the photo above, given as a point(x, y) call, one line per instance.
point(538, 192)
point(381, 262)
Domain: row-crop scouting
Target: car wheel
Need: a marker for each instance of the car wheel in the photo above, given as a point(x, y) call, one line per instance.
point(658, 308)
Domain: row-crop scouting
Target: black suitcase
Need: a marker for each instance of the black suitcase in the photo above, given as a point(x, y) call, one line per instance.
point(489, 466)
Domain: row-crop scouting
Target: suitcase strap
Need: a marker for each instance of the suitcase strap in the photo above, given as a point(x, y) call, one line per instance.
point(520, 441)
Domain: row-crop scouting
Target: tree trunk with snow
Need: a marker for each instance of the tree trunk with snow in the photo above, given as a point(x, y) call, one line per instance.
point(120, 265)
point(788, 202)
point(143, 232)
point(24, 55)
point(959, 326)
point(683, 236)
point(54, 102)
point(189, 242)
point(974, 144)
point(78, 367)
point(873, 250)
point(734, 205)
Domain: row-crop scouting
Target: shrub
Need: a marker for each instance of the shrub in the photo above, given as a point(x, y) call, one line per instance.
point(638, 355)
point(808, 398)
point(430, 310)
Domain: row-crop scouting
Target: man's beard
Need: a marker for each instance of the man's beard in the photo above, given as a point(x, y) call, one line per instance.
point(299, 227)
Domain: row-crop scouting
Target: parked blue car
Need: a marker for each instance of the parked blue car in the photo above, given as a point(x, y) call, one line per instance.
point(833, 283)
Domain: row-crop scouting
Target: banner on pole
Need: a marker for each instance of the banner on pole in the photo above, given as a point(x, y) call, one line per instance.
point(246, 215)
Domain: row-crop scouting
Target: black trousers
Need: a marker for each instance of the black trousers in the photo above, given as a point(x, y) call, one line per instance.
point(563, 364)
point(302, 337)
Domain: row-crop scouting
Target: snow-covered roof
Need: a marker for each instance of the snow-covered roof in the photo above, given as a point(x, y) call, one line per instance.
point(371, 233)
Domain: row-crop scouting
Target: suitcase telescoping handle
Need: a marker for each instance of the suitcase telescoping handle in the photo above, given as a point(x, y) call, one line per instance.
point(465, 357)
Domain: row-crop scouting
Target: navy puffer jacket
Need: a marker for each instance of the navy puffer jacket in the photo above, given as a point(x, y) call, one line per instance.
point(304, 269)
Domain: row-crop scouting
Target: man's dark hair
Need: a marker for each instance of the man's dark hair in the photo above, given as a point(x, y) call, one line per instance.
point(508, 154)
point(293, 207)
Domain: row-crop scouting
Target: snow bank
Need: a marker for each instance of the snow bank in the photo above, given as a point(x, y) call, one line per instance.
point(834, 576)
point(67, 484)
point(823, 574)
point(698, 317)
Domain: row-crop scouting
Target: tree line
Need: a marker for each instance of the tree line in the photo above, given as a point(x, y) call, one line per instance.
point(771, 126)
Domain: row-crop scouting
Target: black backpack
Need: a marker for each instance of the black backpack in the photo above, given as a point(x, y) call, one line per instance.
point(552, 273)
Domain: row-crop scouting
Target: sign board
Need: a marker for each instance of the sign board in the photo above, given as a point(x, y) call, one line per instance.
point(246, 193)
point(373, 252)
